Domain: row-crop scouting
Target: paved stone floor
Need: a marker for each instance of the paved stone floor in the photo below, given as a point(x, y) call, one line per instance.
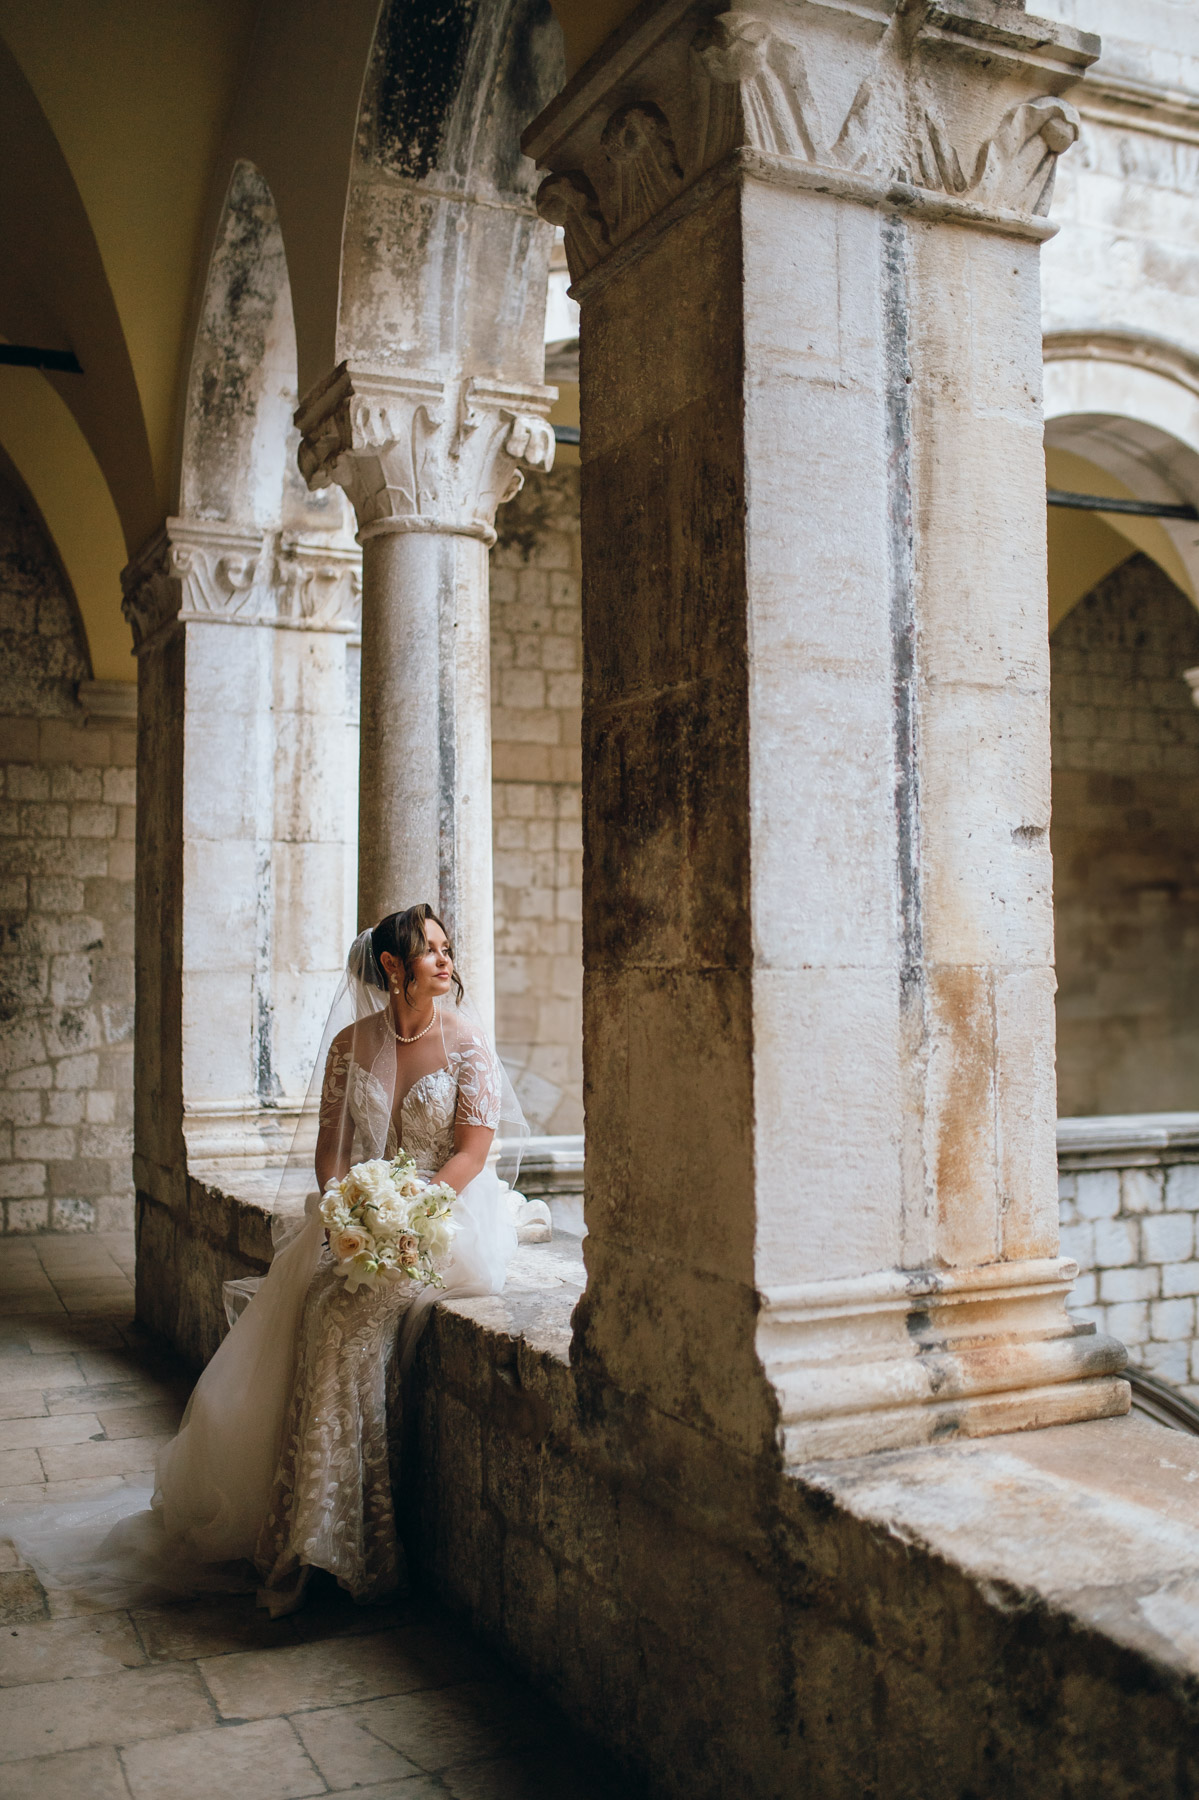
point(209, 1697)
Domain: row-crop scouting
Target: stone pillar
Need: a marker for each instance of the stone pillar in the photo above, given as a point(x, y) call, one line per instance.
point(425, 462)
point(241, 638)
point(817, 903)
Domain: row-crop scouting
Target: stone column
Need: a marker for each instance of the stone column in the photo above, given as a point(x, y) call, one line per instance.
point(821, 1184)
point(241, 641)
point(425, 462)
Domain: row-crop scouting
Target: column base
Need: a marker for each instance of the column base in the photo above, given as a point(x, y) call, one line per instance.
point(905, 1357)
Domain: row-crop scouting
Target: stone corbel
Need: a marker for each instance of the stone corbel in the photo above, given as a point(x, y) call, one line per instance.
point(693, 88)
point(416, 453)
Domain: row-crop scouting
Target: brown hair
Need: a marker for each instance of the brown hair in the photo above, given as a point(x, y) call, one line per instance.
point(402, 935)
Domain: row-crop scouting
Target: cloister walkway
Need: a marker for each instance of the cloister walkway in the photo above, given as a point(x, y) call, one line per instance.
point(208, 1697)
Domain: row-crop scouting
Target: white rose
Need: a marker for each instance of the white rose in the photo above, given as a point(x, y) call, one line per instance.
point(367, 1180)
point(435, 1235)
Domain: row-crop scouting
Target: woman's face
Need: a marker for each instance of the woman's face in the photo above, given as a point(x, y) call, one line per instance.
point(432, 969)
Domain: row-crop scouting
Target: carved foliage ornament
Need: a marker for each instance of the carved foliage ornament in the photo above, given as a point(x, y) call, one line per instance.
point(409, 459)
point(746, 83)
point(204, 570)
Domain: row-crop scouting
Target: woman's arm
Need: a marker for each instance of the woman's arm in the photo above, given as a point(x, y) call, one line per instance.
point(333, 1146)
point(335, 1137)
point(471, 1144)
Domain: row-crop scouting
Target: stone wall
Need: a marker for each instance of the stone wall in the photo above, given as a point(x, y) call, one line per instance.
point(66, 910)
point(921, 1626)
point(536, 677)
point(1130, 1218)
point(1126, 847)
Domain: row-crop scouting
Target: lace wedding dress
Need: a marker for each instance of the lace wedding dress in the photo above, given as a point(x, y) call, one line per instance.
point(331, 1503)
point(283, 1461)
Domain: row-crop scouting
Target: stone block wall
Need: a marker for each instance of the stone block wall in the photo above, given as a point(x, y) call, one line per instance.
point(536, 655)
point(1125, 840)
point(738, 1630)
point(1134, 1232)
point(66, 910)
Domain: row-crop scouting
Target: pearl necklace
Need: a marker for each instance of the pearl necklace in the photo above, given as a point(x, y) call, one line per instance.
point(423, 1032)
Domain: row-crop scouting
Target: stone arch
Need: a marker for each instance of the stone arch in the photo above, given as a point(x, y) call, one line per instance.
point(239, 442)
point(245, 613)
point(1129, 405)
point(1123, 411)
point(443, 106)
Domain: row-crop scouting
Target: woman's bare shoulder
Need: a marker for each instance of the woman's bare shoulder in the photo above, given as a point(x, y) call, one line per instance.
point(357, 1032)
point(459, 1029)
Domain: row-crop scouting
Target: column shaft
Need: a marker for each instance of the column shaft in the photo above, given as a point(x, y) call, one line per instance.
point(425, 760)
point(425, 462)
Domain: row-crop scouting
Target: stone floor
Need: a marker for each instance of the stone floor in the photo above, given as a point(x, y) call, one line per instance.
point(209, 1697)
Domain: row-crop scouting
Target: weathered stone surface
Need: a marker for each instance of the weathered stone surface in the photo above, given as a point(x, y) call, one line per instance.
point(66, 910)
point(817, 898)
point(218, 1230)
point(436, 403)
point(850, 1618)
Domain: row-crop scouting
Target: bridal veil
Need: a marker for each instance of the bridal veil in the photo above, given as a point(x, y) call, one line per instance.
point(214, 1478)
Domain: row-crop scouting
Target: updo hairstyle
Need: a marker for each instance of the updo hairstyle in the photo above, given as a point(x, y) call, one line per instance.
point(402, 935)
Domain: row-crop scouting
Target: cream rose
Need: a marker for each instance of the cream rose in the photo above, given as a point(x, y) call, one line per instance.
point(350, 1241)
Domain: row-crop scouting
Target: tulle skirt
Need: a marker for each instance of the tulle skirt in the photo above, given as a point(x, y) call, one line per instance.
point(202, 1526)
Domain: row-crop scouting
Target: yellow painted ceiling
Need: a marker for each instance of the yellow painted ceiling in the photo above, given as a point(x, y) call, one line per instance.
point(54, 460)
point(137, 94)
point(1086, 546)
point(120, 123)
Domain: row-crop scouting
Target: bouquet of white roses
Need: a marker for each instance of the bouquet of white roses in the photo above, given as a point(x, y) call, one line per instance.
point(384, 1219)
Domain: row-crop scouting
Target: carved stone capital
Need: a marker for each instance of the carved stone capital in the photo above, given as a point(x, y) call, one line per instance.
point(892, 105)
point(416, 453)
point(203, 569)
point(192, 568)
point(318, 584)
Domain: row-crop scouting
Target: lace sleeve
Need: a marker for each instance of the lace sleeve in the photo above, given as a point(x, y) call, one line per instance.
point(479, 1093)
point(333, 1091)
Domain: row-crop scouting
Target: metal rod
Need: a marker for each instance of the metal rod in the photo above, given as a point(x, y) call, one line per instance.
point(1149, 509)
point(24, 356)
point(566, 434)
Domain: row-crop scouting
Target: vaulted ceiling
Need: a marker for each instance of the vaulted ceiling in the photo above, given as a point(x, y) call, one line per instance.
point(120, 128)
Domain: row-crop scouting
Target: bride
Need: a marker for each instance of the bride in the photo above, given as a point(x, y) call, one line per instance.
point(282, 1459)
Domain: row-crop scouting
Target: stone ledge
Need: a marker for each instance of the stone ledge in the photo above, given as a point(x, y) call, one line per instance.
point(1126, 1140)
point(1012, 1614)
